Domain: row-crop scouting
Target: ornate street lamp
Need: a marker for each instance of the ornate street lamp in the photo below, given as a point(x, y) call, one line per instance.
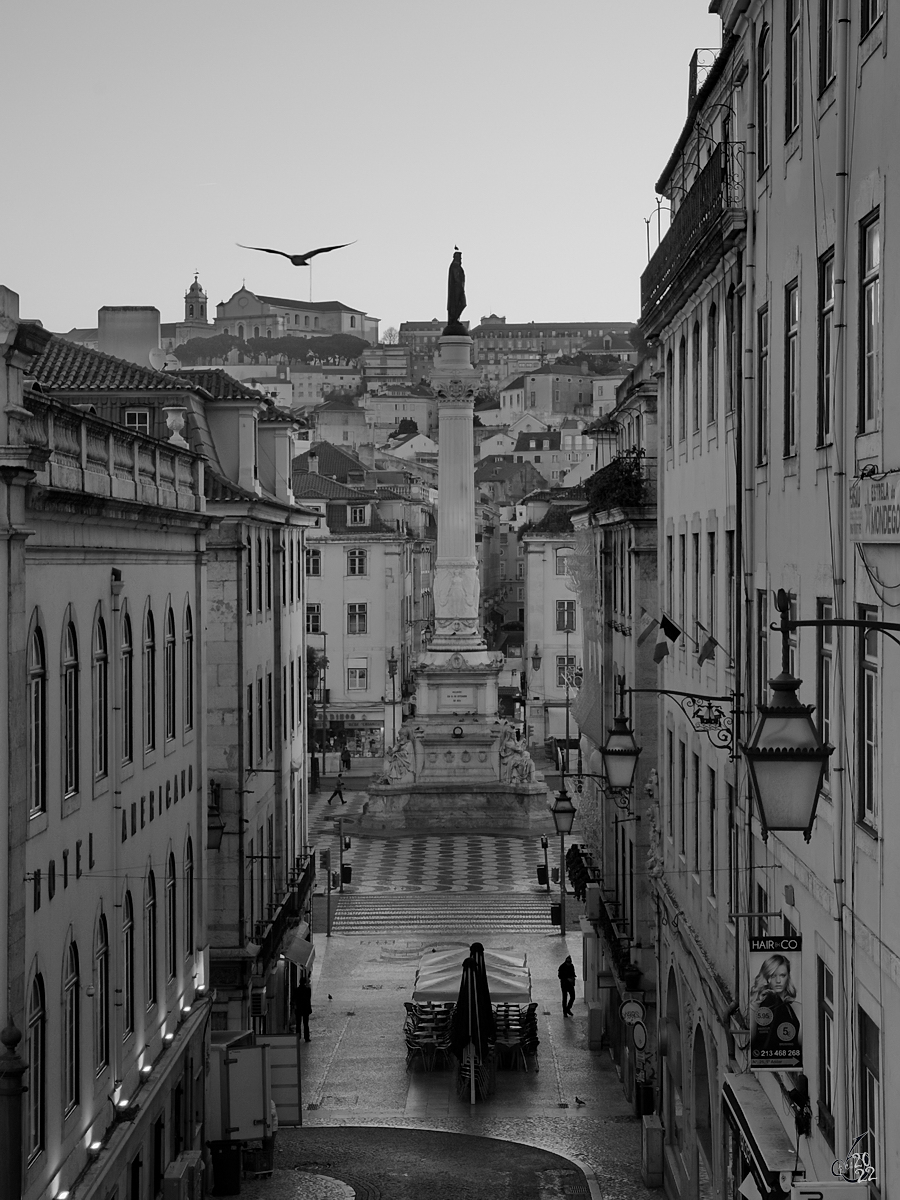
point(563, 813)
point(536, 658)
point(786, 756)
point(620, 752)
point(392, 672)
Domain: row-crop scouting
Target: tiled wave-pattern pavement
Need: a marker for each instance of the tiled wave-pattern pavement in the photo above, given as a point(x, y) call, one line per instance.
point(441, 863)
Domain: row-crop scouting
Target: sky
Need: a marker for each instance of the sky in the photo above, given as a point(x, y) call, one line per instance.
point(143, 140)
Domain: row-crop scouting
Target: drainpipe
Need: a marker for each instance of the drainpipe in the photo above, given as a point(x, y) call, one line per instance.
point(114, 749)
point(743, 521)
point(842, 451)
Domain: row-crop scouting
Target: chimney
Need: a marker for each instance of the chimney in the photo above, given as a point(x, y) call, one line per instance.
point(313, 462)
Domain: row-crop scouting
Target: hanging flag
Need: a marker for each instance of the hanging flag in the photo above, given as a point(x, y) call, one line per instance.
point(669, 628)
point(661, 648)
point(707, 650)
point(646, 625)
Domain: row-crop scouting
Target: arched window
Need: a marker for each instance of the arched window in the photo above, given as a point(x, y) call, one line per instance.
point(169, 675)
point(189, 898)
point(268, 333)
point(36, 1051)
point(101, 701)
point(256, 331)
point(259, 573)
point(682, 389)
point(150, 942)
point(70, 722)
point(712, 364)
point(127, 691)
point(202, 310)
point(101, 996)
point(37, 724)
point(149, 683)
point(128, 965)
point(188, 669)
point(240, 332)
point(190, 310)
point(695, 377)
point(71, 1022)
point(763, 100)
point(171, 920)
point(670, 396)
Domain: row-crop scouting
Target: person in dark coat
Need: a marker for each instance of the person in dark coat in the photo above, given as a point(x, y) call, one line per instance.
point(566, 975)
point(338, 789)
point(303, 1004)
point(345, 759)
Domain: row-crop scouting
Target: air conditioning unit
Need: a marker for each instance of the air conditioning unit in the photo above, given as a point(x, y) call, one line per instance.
point(259, 1003)
point(175, 1181)
point(193, 1159)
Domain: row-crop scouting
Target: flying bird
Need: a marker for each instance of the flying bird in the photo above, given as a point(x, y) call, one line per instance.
point(299, 260)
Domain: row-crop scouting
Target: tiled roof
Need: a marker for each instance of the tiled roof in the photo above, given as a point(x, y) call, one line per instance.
point(520, 329)
point(66, 366)
point(518, 382)
point(315, 305)
point(337, 520)
point(333, 461)
point(547, 439)
point(309, 486)
point(217, 487)
point(219, 384)
point(341, 403)
point(276, 415)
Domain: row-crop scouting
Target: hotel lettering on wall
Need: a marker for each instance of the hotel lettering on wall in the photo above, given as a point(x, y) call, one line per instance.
point(874, 514)
point(774, 1004)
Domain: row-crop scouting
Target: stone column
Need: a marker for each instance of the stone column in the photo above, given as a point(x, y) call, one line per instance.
point(457, 608)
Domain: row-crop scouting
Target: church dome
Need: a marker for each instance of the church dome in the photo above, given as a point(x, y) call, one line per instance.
point(195, 289)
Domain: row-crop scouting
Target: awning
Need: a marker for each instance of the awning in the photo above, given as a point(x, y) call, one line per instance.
point(299, 950)
point(765, 1143)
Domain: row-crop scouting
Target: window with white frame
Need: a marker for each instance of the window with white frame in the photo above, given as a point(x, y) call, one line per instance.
point(188, 669)
point(171, 920)
point(869, 322)
point(150, 945)
point(189, 898)
point(357, 618)
point(100, 672)
point(314, 562)
point(791, 365)
point(869, 1088)
point(826, 1049)
point(314, 618)
point(827, 59)
point(563, 554)
point(357, 674)
point(565, 668)
point(357, 562)
point(825, 382)
point(356, 514)
point(565, 616)
point(128, 965)
point(871, 11)
point(824, 671)
point(137, 420)
point(793, 68)
point(763, 99)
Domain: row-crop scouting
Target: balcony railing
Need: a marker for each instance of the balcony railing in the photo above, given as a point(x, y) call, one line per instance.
point(288, 915)
point(705, 224)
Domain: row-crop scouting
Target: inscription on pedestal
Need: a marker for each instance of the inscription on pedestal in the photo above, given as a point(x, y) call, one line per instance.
point(456, 699)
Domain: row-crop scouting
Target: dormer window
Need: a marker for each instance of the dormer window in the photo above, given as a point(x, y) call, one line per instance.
point(357, 514)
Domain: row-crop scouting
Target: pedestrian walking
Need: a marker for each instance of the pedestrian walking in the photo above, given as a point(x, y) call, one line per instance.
point(338, 789)
point(566, 975)
point(345, 759)
point(303, 1004)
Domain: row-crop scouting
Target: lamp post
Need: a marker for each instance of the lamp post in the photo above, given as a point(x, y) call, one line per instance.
point(392, 672)
point(563, 813)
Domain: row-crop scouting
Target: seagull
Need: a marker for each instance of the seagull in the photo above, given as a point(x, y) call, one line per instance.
point(299, 260)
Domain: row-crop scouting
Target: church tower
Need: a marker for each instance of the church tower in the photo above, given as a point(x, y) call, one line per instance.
point(195, 300)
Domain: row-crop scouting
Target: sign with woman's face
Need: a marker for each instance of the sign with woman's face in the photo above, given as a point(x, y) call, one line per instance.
point(774, 1004)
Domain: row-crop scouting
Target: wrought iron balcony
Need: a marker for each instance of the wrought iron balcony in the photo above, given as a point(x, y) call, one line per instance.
point(288, 914)
point(709, 221)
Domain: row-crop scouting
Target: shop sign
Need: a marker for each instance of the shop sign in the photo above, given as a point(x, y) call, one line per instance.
point(631, 1011)
point(774, 1004)
point(875, 510)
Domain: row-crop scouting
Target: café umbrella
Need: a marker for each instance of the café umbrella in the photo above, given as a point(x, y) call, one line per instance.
point(472, 1025)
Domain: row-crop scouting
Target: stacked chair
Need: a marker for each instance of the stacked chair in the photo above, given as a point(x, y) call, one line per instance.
point(517, 1038)
point(427, 1033)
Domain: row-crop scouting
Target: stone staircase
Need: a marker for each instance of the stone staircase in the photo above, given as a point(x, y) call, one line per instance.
point(449, 912)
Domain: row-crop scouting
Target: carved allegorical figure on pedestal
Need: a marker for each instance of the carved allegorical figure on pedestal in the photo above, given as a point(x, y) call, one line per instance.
point(456, 592)
point(456, 294)
point(400, 760)
point(516, 764)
